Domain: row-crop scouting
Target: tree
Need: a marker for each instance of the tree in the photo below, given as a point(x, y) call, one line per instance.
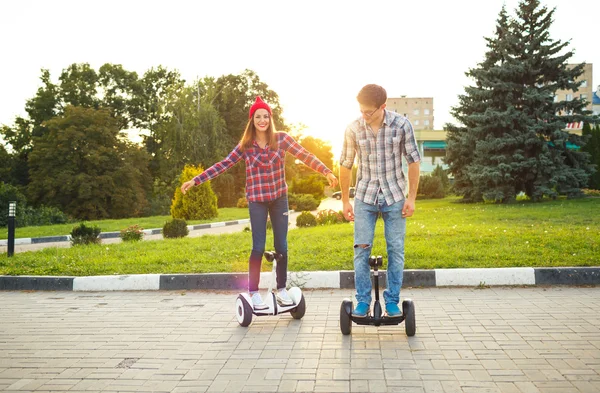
point(512, 136)
point(592, 147)
point(86, 169)
point(199, 203)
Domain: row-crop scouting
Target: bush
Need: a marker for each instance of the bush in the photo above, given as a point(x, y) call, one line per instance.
point(430, 187)
point(43, 215)
point(132, 233)
point(306, 219)
point(10, 193)
point(302, 202)
point(83, 234)
point(590, 192)
point(328, 217)
point(175, 228)
point(199, 203)
point(242, 202)
point(312, 185)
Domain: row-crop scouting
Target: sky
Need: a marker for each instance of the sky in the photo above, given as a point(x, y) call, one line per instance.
point(316, 55)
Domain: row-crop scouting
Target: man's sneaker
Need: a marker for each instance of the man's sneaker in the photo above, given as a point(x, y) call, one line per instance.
point(283, 299)
point(392, 310)
point(257, 302)
point(361, 310)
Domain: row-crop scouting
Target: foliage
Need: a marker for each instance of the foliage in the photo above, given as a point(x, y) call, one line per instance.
point(442, 174)
point(83, 167)
point(132, 233)
point(200, 202)
point(84, 234)
point(591, 192)
point(306, 219)
point(312, 185)
point(242, 203)
point(328, 217)
point(592, 147)
point(175, 228)
point(430, 186)
point(513, 136)
point(301, 202)
point(43, 215)
point(321, 150)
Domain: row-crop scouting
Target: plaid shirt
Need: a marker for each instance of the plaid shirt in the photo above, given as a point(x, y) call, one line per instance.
point(265, 168)
point(380, 157)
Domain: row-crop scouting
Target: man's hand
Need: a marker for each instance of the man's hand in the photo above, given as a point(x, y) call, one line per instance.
point(348, 211)
point(187, 185)
point(333, 181)
point(409, 208)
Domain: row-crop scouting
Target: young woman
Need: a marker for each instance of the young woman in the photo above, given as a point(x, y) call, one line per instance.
point(263, 150)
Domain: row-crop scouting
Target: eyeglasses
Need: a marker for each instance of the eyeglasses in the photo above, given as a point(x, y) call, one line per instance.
point(369, 113)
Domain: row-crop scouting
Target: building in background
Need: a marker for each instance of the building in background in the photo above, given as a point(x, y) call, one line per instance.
point(418, 110)
point(596, 102)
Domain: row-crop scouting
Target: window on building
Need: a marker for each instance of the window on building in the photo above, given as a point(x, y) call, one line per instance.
point(425, 111)
point(415, 112)
point(425, 122)
point(555, 98)
point(569, 97)
point(416, 122)
point(583, 96)
point(583, 83)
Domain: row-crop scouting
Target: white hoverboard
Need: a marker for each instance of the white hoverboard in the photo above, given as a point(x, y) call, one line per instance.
point(243, 303)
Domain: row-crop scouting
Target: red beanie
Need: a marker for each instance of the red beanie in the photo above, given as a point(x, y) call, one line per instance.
point(259, 104)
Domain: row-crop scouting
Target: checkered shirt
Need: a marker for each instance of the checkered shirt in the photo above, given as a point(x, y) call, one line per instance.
point(380, 157)
point(265, 168)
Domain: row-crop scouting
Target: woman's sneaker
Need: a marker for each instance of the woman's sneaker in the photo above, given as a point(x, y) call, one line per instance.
point(257, 302)
point(283, 299)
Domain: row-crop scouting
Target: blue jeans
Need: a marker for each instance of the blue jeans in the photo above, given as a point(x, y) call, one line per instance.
point(365, 217)
point(278, 211)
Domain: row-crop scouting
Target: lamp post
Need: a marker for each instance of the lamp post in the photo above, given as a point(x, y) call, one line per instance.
point(12, 208)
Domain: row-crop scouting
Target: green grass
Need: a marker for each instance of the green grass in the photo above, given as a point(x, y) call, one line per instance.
point(442, 234)
point(225, 214)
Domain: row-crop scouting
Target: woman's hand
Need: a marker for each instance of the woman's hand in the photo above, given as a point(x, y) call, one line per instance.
point(333, 181)
point(187, 185)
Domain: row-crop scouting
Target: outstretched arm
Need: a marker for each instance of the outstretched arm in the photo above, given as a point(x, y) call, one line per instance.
point(214, 170)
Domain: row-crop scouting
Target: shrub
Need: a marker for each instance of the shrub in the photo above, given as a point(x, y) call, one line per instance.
point(431, 187)
point(132, 233)
point(312, 185)
point(42, 215)
point(328, 217)
point(306, 219)
point(302, 202)
point(590, 192)
point(83, 234)
point(175, 228)
point(242, 202)
point(199, 203)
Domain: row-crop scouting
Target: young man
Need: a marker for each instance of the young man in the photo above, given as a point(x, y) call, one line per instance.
point(380, 138)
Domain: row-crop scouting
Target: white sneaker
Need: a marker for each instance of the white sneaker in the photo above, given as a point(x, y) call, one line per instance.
point(283, 299)
point(257, 302)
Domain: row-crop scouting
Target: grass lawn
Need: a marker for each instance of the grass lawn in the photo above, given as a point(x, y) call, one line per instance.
point(225, 214)
point(442, 234)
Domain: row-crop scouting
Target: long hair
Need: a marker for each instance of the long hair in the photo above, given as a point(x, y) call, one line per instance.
point(250, 134)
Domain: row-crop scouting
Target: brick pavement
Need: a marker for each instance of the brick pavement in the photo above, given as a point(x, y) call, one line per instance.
point(499, 339)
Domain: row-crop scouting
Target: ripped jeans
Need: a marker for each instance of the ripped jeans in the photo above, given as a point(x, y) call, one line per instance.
point(365, 217)
point(278, 211)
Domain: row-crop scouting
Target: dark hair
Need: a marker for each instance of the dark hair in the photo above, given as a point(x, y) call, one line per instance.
point(372, 95)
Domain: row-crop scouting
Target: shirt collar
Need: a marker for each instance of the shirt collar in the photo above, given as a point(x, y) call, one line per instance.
point(387, 119)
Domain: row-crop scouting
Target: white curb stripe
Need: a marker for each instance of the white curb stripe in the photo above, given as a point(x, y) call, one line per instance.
point(138, 282)
point(305, 279)
point(18, 241)
point(474, 277)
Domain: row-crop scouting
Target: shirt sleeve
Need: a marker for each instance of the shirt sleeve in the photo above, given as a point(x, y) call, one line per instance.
point(348, 148)
point(290, 145)
point(410, 148)
point(220, 167)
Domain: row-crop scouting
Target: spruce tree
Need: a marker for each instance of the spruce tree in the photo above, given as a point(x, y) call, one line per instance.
point(512, 139)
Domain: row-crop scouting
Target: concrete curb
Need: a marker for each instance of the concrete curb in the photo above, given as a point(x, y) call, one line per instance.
point(316, 279)
point(112, 235)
